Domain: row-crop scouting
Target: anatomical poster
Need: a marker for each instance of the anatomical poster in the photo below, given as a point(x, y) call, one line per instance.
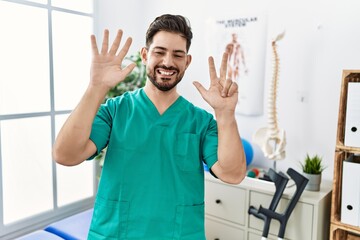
point(244, 38)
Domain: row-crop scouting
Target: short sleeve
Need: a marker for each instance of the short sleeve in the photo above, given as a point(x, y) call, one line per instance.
point(101, 127)
point(210, 144)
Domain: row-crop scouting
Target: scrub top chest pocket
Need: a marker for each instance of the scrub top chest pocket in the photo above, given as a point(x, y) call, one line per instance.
point(187, 152)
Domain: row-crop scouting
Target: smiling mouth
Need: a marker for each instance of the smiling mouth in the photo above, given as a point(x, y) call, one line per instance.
point(166, 73)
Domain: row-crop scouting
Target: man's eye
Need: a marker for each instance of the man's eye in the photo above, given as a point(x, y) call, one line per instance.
point(179, 56)
point(159, 53)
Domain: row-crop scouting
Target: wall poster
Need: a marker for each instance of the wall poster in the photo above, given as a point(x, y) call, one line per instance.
point(244, 37)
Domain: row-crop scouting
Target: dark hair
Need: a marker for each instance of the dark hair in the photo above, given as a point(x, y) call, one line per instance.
point(170, 23)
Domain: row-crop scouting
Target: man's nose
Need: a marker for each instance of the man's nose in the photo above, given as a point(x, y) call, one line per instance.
point(168, 60)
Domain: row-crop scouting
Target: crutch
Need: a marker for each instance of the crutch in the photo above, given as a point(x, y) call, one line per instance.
point(280, 180)
point(300, 182)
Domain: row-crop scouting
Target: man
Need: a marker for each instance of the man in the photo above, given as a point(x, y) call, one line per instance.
point(152, 182)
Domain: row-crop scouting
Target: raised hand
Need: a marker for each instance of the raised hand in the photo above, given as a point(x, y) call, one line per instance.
point(106, 69)
point(223, 92)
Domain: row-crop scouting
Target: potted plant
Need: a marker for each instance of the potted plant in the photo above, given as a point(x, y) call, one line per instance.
point(312, 169)
point(136, 79)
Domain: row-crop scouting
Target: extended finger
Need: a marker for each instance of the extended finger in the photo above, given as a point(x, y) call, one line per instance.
point(94, 47)
point(105, 43)
point(200, 88)
point(226, 86)
point(212, 70)
point(129, 68)
point(223, 67)
point(124, 50)
point(234, 88)
point(116, 43)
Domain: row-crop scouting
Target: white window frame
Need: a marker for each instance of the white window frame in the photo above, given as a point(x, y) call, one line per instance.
point(39, 221)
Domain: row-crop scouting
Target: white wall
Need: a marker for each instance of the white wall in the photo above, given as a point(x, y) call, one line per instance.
point(321, 39)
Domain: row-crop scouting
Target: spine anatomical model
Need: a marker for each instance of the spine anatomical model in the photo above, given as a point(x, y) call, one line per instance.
point(271, 139)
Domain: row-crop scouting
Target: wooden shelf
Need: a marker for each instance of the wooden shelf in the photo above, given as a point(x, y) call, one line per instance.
point(343, 232)
point(339, 230)
point(343, 148)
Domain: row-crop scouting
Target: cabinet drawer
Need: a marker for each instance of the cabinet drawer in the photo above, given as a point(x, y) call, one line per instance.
point(219, 231)
point(299, 225)
point(225, 202)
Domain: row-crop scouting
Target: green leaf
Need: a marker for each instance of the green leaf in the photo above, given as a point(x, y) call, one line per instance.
point(312, 164)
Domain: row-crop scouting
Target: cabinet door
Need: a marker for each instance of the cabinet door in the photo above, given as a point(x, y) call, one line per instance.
point(225, 202)
point(220, 231)
point(300, 224)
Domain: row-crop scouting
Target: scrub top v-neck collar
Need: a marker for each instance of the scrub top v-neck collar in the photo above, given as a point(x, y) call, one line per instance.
point(174, 108)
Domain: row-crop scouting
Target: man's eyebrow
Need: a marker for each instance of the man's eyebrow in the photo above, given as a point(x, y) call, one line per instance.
point(165, 49)
point(160, 48)
point(179, 51)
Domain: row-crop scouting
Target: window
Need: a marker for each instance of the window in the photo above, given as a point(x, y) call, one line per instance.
point(45, 60)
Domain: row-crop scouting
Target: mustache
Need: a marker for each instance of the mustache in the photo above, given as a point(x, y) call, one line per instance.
point(167, 68)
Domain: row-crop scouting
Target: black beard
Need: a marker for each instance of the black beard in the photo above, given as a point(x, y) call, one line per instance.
point(163, 87)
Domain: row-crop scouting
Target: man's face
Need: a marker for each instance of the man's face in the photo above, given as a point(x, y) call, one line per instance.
point(166, 60)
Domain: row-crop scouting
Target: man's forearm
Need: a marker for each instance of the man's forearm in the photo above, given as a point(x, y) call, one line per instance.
point(72, 144)
point(231, 156)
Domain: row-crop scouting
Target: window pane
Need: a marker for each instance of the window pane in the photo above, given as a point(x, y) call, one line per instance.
point(24, 48)
point(27, 166)
point(85, 6)
point(73, 183)
point(72, 56)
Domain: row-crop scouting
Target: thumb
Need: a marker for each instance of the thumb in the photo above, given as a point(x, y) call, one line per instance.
point(128, 69)
point(200, 88)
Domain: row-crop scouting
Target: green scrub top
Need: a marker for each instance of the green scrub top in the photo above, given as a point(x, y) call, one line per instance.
point(152, 181)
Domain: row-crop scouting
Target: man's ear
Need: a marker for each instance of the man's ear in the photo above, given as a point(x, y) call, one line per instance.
point(143, 54)
point(188, 60)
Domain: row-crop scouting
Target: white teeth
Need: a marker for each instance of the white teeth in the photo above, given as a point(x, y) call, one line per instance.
point(166, 73)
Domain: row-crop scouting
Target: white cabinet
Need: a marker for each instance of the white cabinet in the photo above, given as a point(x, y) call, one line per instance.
point(254, 236)
point(227, 207)
point(216, 230)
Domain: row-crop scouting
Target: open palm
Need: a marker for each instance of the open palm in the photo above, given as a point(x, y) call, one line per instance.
point(223, 92)
point(106, 67)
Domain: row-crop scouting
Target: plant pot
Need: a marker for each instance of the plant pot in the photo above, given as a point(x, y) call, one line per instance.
point(314, 182)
